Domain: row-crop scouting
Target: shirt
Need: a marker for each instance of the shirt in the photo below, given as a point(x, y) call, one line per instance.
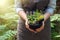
point(50, 9)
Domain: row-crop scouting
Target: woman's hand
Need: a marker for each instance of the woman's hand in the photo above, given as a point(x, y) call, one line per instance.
point(27, 26)
point(46, 16)
point(21, 14)
point(41, 28)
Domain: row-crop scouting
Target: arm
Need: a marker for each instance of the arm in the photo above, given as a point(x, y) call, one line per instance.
point(20, 10)
point(50, 9)
point(22, 14)
point(49, 12)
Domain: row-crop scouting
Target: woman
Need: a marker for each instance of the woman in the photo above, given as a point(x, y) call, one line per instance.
point(24, 8)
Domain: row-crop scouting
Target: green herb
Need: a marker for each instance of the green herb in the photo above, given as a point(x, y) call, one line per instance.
point(37, 16)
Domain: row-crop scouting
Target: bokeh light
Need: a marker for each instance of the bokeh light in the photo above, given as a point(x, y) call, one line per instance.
point(6, 6)
point(3, 3)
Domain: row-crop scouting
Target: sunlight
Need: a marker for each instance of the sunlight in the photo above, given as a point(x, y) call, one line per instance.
point(3, 2)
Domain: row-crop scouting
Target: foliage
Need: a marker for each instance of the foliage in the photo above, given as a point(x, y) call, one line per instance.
point(56, 17)
point(8, 23)
point(55, 26)
point(7, 28)
point(8, 35)
point(35, 20)
point(37, 16)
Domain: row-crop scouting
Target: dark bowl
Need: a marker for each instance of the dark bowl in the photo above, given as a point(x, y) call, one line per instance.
point(36, 25)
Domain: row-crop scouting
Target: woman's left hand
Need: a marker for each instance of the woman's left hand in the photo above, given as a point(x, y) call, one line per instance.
point(41, 28)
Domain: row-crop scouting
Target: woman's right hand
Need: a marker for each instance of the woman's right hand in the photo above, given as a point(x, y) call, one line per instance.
point(27, 26)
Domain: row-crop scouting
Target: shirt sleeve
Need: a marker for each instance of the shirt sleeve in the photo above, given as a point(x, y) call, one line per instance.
point(18, 6)
point(51, 6)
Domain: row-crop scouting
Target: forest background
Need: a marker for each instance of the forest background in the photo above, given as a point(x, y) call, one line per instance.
point(9, 20)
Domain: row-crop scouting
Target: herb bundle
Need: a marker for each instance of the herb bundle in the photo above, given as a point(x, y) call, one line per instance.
point(35, 20)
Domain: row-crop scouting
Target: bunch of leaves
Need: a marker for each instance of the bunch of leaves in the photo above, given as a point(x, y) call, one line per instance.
point(8, 21)
point(8, 35)
point(8, 24)
point(55, 19)
point(37, 16)
point(55, 35)
point(6, 32)
point(55, 26)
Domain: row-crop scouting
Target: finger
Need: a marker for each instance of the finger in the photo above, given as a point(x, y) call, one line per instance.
point(27, 26)
point(31, 30)
point(43, 24)
point(40, 29)
point(26, 23)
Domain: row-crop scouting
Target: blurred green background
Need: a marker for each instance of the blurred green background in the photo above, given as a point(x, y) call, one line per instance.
point(9, 20)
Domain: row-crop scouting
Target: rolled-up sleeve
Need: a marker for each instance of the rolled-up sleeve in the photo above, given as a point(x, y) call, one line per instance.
point(18, 6)
point(51, 6)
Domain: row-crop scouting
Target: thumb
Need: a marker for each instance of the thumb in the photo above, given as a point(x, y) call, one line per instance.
point(26, 23)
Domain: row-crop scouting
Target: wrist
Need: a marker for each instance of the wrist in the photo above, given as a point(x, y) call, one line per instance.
point(26, 20)
point(46, 16)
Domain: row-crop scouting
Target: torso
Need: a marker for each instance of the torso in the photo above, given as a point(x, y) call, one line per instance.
point(35, 4)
